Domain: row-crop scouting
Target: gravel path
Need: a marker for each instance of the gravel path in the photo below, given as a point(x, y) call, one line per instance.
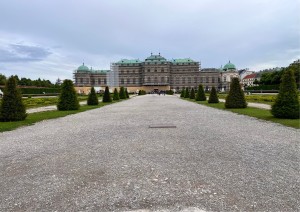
point(108, 159)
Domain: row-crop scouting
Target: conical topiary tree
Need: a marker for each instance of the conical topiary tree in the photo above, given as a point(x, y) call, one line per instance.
point(122, 93)
point(92, 98)
point(182, 94)
point(187, 93)
point(116, 95)
point(126, 93)
point(12, 107)
point(106, 96)
point(213, 97)
point(200, 94)
point(192, 94)
point(68, 97)
point(287, 103)
point(236, 97)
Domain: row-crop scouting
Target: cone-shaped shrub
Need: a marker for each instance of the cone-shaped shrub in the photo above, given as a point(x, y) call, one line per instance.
point(12, 107)
point(126, 92)
point(68, 97)
point(92, 98)
point(213, 97)
point(187, 93)
point(200, 94)
point(192, 94)
point(287, 103)
point(116, 95)
point(236, 97)
point(122, 93)
point(106, 96)
point(182, 94)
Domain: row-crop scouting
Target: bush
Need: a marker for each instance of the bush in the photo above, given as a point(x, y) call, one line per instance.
point(116, 95)
point(187, 93)
point(169, 92)
point(92, 98)
point(68, 97)
point(106, 96)
point(12, 107)
point(142, 92)
point(182, 94)
point(192, 95)
point(40, 90)
point(126, 93)
point(122, 93)
point(200, 94)
point(287, 103)
point(236, 97)
point(213, 97)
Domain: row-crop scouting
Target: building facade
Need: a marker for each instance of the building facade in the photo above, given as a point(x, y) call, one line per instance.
point(155, 73)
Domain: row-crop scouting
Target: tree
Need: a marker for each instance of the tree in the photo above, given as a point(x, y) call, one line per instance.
point(122, 93)
point(68, 97)
point(106, 96)
point(92, 98)
point(213, 97)
point(287, 103)
point(200, 94)
point(187, 93)
point(182, 94)
point(192, 95)
point(12, 107)
point(116, 95)
point(126, 93)
point(236, 97)
point(2, 79)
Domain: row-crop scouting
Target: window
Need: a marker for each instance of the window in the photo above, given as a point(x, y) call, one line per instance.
point(155, 79)
point(148, 70)
point(104, 81)
point(155, 70)
point(213, 80)
point(224, 79)
point(189, 80)
point(195, 79)
point(162, 79)
point(99, 81)
point(128, 81)
point(183, 80)
point(149, 79)
point(122, 81)
point(133, 81)
point(81, 80)
point(207, 79)
point(162, 70)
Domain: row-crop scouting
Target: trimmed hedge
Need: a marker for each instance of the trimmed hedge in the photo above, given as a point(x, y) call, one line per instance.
point(68, 97)
point(116, 96)
point(213, 96)
point(92, 98)
point(200, 94)
point(106, 96)
point(236, 97)
point(40, 90)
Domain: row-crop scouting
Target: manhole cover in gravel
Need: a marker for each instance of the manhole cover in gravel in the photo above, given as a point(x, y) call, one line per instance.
point(162, 126)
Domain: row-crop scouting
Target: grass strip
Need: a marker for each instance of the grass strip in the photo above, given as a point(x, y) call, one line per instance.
point(253, 112)
point(37, 117)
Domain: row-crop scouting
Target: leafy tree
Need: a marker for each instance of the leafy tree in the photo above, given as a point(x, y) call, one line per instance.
point(12, 107)
point(213, 97)
point(92, 98)
point(116, 95)
point(2, 79)
point(287, 103)
point(192, 95)
point(187, 93)
point(236, 97)
point(182, 94)
point(106, 96)
point(126, 92)
point(200, 94)
point(68, 97)
point(122, 93)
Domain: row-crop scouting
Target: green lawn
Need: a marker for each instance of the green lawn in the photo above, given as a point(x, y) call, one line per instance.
point(36, 117)
point(46, 101)
point(254, 112)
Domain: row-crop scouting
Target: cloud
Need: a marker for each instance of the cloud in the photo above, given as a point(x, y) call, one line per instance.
point(23, 53)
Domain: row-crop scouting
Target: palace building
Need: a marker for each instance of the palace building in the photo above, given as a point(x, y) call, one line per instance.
point(154, 73)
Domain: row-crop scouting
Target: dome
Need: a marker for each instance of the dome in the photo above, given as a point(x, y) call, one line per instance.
point(83, 68)
point(229, 66)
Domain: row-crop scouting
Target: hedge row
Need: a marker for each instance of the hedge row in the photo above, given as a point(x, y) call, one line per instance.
point(39, 90)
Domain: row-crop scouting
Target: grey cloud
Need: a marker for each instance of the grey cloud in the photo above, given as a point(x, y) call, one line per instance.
point(23, 53)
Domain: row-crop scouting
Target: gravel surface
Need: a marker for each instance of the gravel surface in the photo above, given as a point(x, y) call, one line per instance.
point(108, 159)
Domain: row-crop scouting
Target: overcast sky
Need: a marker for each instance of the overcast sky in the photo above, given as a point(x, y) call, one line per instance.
point(49, 39)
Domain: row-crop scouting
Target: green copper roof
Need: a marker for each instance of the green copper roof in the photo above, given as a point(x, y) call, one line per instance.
point(155, 58)
point(126, 61)
point(184, 60)
point(83, 68)
point(229, 66)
